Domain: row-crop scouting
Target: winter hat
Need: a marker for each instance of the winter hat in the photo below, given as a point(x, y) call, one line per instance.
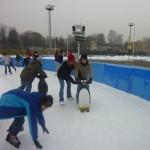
point(47, 100)
point(71, 58)
point(83, 56)
point(61, 51)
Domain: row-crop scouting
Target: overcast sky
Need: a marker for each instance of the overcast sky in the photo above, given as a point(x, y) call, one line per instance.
point(99, 16)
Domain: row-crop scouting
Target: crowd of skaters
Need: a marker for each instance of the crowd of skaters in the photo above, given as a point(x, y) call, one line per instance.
point(33, 69)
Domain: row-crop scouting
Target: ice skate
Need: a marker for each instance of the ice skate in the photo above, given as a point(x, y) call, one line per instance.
point(13, 140)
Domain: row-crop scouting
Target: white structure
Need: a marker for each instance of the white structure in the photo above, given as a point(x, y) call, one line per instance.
point(79, 32)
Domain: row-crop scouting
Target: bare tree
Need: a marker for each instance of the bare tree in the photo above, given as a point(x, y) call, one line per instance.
point(3, 38)
point(32, 39)
point(114, 40)
point(99, 40)
point(13, 38)
point(111, 37)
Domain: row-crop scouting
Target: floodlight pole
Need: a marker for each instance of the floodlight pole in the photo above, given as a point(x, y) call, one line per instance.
point(133, 43)
point(50, 8)
point(130, 25)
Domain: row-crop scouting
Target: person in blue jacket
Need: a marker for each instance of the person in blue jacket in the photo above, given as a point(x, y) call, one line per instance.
point(17, 103)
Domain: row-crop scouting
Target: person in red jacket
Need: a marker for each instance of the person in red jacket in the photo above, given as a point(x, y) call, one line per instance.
point(28, 55)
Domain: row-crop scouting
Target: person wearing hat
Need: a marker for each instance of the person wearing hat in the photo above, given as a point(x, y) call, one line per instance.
point(58, 59)
point(18, 104)
point(27, 58)
point(27, 76)
point(83, 71)
point(64, 74)
point(30, 72)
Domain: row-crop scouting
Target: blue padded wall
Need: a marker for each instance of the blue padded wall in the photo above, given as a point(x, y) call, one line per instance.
point(49, 64)
point(134, 80)
point(99, 68)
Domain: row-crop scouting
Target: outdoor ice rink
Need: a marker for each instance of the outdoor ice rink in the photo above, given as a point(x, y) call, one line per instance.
point(116, 121)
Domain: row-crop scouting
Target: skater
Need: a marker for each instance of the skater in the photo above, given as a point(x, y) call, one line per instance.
point(30, 72)
point(6, 60)
point(63, 74)
point(12, 64)
point(16, 103)
point(18, 58)
point(26, 60)
point(35, 55)
point(58, 59)
point(83, 71)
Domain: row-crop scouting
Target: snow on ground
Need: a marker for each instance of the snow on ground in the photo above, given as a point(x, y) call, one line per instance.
point(120, 58)
point(116, 121)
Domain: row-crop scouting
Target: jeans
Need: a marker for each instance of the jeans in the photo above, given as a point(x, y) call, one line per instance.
point(8, 69)
point(58, 65)
point(16, 126)
point(61, 92)
point(25, 84)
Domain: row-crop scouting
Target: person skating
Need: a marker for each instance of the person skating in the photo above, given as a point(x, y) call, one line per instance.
point(83, 71)
point(27, 58)
point(64, 74)
point(6, 60)
point(16, 103)
point(18, 58)
point(35, 55)
point(30, 72)
point(12, 64)
point(58, 59)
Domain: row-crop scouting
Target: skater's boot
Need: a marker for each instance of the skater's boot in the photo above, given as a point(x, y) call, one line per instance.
point(13, 140)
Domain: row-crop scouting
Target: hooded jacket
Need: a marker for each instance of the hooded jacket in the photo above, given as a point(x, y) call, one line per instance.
point(31, 71)
point(18, 103)
point(83, 71)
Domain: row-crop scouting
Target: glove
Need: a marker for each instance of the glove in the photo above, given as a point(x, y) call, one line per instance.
point(78, 81)
point(89, 81)
point(38, 76)
point(74, 82)
point(37, 144)
point(45, 130)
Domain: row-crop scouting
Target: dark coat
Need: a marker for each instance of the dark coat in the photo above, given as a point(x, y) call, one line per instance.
point(64, 72)
point(31, 71)
point(59, 58)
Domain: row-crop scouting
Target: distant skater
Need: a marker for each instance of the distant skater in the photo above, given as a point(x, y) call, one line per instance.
point(6, 60)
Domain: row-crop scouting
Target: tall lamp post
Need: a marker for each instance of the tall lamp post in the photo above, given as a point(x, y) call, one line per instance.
point(133, 42)
point(129, 41)
point(50, 8)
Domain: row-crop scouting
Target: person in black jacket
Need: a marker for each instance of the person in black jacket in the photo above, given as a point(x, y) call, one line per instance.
point(30, 72)
point(63, 74)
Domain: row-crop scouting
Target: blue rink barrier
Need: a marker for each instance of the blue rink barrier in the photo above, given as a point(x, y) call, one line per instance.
point(133, 80)
point(140, 83)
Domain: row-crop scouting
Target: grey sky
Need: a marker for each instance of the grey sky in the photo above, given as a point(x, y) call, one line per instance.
point(99, 16)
